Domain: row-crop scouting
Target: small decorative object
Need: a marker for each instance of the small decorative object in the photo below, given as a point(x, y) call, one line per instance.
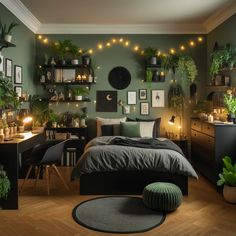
point(8, 68)
point(228, 179)
point(53, 63)
point(5, 184)
point(86, 59)
point(126, 109)
point(54, 97)
point(132, 98)
point(1, 63)
point(119, 78)
point(42, 79)
point(144, 108)
point(18, 90)
point(69, 96)
point(142, 94)
point(158, 98)
point(18, 74)
point(61, 97)
point(227, 80)
point(155, 77)
point(106, 101)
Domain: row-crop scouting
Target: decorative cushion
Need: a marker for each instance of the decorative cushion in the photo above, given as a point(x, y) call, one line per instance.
point(156, 127)
point(162, 196)
point(107, 130)
point(130, 129)
point(105, 121)
point(146, 129)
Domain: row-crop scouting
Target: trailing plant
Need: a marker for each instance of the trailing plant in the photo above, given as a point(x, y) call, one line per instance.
point(230, 101)
point(170, 62)
point(228, 176)
point(221, 58)
point(40, 110)
point(8, 97)
point(5, 184)
point(149, 77)
point(176, 98)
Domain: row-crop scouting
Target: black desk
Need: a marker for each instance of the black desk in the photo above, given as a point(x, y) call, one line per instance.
point(9, 158)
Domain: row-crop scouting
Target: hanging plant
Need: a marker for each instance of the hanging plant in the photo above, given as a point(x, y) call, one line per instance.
point(149, 77)
point(5, 184)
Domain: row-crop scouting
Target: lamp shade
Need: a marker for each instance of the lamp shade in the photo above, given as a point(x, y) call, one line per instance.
point(172, 120)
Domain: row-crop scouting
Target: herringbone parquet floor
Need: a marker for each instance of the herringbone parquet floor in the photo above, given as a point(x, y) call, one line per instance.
point(204, 212)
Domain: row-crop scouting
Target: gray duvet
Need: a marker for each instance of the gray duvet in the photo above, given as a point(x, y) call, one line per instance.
point(101, 155)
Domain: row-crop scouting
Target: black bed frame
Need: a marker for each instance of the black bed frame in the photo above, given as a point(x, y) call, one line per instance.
point(127, 182)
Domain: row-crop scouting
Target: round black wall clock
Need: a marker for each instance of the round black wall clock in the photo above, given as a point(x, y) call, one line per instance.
point(119, 77)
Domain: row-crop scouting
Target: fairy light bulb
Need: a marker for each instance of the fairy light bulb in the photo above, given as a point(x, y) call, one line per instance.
point(113, 40)
point(127, 43)
point(200, 39)
point(90, 51)
point(191, 43)
point(182, 47)
point(108, 44)
point(45, 40)
point(121, 40)
point(80, 51)
point(40, 37)
point(136, 48)
point(100, 46)
point(158, 53)
point(172, 51)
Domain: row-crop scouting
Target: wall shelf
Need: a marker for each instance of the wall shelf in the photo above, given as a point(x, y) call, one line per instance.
point(72, 101)
point(5, 44)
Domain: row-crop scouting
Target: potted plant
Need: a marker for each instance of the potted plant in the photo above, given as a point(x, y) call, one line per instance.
point(79, 92)
point(82, 117)
point(151, 55)
point(54, 119)
point(75, 53)
point(228, 179)
point(230, 103)
point(223, 58)
point(62, 48)
point(149, 77)
point(5, 184)
point(6, 32)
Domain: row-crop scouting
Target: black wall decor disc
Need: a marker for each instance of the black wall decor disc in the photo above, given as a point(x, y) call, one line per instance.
point(119, 77)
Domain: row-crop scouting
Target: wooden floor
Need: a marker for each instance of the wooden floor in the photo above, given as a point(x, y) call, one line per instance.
point(203, 212)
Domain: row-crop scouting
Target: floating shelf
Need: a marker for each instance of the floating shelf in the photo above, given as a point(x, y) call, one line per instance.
point(68, 83)
point(72, 101)
point(5, 44)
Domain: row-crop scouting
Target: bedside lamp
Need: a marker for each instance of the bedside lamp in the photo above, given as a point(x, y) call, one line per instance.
point(28, 123)
point(172, 120)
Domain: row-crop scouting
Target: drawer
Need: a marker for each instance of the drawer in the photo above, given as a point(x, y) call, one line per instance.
point(208, 129)
point(196, 125)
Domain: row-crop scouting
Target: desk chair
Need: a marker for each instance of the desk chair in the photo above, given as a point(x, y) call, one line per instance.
point(45, 156)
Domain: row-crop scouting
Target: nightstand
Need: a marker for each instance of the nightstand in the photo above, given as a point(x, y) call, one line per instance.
point(183, 144)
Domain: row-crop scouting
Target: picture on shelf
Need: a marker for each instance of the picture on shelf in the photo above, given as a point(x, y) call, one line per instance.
point(126, 109)
point(1, 63)
point(144, 108)
point(132, 98)
point(8, 67)
point(18, 74)
point(68, 75)
point(158, 98)
point(142, 94)
point(18, 90)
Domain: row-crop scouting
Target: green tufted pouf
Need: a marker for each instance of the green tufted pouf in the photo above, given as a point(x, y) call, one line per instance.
point(162, 196)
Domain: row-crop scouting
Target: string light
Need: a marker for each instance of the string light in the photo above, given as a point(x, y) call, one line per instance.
point(172, 51)
point(158, 53)
point(200, 39)
point(108, 44)
point(182, 47)
point(100, 46)
point(90, 51)
point(121, 40)
point(80, 51)
point(114, 40)
point(40, 37)
point(136, 48)
point(192, 43)
point(45, 40)
point(127, 43)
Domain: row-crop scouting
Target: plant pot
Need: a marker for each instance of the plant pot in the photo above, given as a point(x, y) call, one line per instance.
point(153, 60)
point(75, 62)
point(86, 59)
point(54, 124)
point(229, 193)
point(82, 123)
point(8, 37)
point(231, 118)
point(78, 97)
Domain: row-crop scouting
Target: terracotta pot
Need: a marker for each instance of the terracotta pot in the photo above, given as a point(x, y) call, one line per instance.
point(229, 193)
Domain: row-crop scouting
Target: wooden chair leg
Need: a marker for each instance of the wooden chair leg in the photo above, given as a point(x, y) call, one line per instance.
point(47, 178)
point(60, 176)
point(37, 175)
point(26, 177)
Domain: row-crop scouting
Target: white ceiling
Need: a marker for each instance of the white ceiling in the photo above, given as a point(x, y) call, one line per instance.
point(121, 16)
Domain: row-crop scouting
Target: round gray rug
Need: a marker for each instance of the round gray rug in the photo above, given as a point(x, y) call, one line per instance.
point(117, 214)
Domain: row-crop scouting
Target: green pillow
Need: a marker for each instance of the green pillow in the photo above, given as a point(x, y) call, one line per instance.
point(130, 129)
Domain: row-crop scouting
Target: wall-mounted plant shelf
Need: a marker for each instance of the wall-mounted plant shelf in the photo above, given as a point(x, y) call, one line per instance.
point(154, 74)
point(72, 101)
point(5, 44)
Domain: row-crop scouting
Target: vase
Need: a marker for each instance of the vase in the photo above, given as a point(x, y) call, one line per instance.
point(229, 193)
point(8, 37)
point(153, 60)
point(75, 62)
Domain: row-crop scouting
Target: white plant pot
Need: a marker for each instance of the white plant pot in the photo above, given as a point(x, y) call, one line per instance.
point(8, 37)
point(54, 124)
point(82, 123)
point(75, 62)
point(229, 193)
point(78, 98)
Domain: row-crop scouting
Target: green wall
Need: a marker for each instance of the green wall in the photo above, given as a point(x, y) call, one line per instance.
point(223, 34)
point(24, 52)
point(118, 55)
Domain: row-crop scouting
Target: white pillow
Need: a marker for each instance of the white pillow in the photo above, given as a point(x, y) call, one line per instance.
point(146, 129)
point(107, 121)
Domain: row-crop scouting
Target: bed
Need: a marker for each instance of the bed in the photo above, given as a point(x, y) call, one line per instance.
point(121, 165)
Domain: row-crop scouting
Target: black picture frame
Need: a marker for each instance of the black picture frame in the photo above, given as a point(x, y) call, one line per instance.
point(18, 90)
point(142, 94)
point(106, 101)
point(158, 97)
point(144, 108)
point(18, 74)
point(8, 68)
point(131, 97)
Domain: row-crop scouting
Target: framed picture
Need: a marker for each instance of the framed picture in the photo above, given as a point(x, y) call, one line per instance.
point(132, 98)
point(1, 63)
point(8, 67)
point(68, 75)
point(18, 74)
point(144, 108)
point(142, 94)
point(106, 101)
point(158, 98)
point(126, 109)
point(18, 90)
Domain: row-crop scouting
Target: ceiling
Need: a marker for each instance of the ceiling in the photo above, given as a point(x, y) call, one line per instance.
point(135, 15)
